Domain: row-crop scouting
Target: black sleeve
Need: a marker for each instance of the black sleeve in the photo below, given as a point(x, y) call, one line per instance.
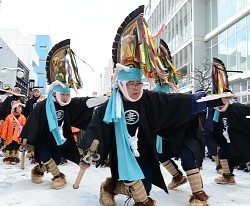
point(80, 114)
point(167, 110)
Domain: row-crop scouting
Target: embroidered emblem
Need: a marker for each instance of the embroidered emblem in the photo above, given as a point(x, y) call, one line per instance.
point(60, 114)
point(132, 117)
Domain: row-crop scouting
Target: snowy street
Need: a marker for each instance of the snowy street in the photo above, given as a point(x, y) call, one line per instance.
point(16, 188)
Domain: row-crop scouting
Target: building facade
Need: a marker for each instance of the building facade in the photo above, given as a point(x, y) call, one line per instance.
point(29, 54)
point(24, 49)
point(198, 30)
point(43, 46)
point(9, 77)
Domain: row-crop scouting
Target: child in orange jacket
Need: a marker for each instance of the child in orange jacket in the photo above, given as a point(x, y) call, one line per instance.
point(11, 129)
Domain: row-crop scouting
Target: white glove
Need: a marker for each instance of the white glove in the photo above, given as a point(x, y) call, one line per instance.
point(134, 146)
point(60, 129)
point(225, 134)
point(93, 102)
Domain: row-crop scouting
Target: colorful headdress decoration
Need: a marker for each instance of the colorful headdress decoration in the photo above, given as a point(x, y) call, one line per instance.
point(167, 72)
point(134, 45)
point(61, 65)
point(219, 76)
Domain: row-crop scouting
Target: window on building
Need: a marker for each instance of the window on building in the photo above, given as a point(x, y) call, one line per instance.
point(223, 35)
point(185, 55)
point(223, 51)
point(222, 15)
point(242, 50)
point(214, 14)
point(183, 71)
point(163, 9)
point(231, 46)
point(248, 18)
point(236, 87)
point(175, 59)
point(168, 37)
point(43, 47)
point(244, 86)
point(244, 99)
point(231, 7)
point(248, 85)
point(240, 24)
point(185, 21)
point(240, 4)
point(248, 47)
point(181, 28)
point(181, 57)
point(231, 30)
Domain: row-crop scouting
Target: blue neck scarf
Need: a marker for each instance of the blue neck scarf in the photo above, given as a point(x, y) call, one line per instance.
point(163, 88)
point(217, 112)
point(159, 144)
point(128, 167)
point(51, 114)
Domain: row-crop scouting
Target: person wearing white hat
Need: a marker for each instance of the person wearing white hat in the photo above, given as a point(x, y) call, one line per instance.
point(48, 127)
point(10, 133)
point(127, 124)
point(29, 106)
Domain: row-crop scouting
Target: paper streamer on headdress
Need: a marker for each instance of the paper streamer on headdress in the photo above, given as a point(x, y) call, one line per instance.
point(219, 76)
point(167, 73)
point(61, 65)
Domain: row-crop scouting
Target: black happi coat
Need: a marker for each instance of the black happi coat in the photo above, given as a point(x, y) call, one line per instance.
point(29, 106)
point(158, 111)
point(238, 130)
point(190, 134)
point(36, 130)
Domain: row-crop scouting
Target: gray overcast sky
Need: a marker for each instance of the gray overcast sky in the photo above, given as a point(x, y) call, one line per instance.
point(90, 24)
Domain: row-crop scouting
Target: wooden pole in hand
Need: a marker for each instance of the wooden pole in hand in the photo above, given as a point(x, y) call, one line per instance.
point(85, 165)
point(23, 154)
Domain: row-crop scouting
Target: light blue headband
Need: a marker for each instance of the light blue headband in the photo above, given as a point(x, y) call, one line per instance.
point(133, 74)
point(59, 88)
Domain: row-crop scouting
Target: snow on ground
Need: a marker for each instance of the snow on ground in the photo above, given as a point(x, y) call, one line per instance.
point(16, 188)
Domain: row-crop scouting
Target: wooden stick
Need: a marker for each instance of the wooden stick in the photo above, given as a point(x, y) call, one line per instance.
point(84, 165)
point(23, 154)
point(79, 177)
